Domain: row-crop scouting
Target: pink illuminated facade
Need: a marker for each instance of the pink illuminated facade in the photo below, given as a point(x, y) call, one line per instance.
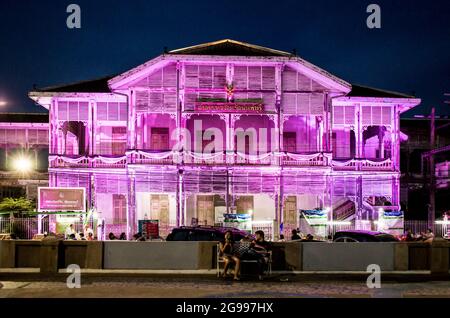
point(227, 127)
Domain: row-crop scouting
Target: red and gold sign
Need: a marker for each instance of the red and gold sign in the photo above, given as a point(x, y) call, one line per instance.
point(229, 107)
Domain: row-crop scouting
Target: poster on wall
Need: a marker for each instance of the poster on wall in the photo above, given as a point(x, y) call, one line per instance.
point(61, 199)
point(149, 228)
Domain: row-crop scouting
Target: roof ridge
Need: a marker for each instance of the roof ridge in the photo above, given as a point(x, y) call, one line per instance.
point(228, 40)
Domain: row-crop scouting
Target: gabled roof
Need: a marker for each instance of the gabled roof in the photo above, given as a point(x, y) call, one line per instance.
point(366, 91)
point(229, 47)
point(23, 117)
point(99, 85)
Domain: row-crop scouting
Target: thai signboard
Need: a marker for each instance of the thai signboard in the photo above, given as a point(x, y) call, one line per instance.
point(230, 107)
point(61, 199)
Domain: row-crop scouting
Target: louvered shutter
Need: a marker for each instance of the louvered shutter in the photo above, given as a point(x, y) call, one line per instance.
point(303, 83)
point(62, 111)
point(289, 80)
point(219, 77)
point(268, 78)
point(240, 77)
point(338, 115)
point(254, 77)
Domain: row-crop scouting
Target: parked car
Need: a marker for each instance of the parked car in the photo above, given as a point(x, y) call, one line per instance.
point(363, 236)
point(205, 233)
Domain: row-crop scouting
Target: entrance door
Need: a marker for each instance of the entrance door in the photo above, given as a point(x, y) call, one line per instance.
point(290, 142)
point(119, 209)
point(159, 209)
point(159, 139)
point(205, 209)
point(244, 204)
point(290, 214)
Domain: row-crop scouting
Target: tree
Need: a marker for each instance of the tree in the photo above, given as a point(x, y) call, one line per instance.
point(16, 205)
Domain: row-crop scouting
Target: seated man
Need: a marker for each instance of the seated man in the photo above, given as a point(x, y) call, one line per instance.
point(258, 251)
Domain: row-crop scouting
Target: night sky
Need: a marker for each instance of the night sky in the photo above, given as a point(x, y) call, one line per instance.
point(409, 54)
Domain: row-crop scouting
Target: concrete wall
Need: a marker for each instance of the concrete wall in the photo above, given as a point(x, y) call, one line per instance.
point(347, 256)
point(158, 255)
point(49, 255)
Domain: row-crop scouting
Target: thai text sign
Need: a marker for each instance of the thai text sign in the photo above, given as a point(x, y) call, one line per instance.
point(62, 199)
point(229, 107)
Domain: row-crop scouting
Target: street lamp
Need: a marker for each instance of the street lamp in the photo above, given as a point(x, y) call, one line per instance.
point(23, 164)
point(2, 103)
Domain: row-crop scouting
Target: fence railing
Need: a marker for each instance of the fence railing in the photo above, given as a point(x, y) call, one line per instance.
point(23, 228)
point(26, 228)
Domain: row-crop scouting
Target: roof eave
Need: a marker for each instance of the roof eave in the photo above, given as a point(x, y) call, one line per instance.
point(404, 103)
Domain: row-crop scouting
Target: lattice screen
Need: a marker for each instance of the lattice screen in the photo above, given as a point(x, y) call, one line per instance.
point(377, 186)
point(301, 183)
point(73, 111)
point(205, 76)
point(165, 77)
point(72, 180)
point(157, 182)
point(112, 111)
point(147, 101)
point(254, 77)
point(296, 81)
point(344, 186)
point(13, 136)
point(303, 103)
point(344, 115)
point(204, 181)
point(254, 182)
point(376, 115)
point(111, 184)
point(37, 136)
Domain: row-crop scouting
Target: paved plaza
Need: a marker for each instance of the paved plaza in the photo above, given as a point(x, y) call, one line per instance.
point(190, 287)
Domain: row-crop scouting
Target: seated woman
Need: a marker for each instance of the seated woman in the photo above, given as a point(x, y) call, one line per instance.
point(226, 251)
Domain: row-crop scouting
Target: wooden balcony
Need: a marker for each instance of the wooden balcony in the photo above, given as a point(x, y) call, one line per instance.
point(61, 161)
point(319, 159)
point(362, 165)
point(229, 158)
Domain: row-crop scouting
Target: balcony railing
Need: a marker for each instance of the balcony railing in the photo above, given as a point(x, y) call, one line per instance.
point(61, 161)
point(363, 165)
point(285, 159)
point(314, 159)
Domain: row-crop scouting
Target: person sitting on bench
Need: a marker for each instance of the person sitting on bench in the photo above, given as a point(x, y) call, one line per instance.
point(226, 251)
point(258, 251)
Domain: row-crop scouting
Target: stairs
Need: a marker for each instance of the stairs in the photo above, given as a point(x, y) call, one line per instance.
point(344, 210)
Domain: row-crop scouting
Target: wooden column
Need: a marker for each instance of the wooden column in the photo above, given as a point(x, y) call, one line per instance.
point(131, 209)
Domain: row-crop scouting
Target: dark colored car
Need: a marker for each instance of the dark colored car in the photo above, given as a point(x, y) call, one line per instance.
point(363, 236)
point(204, 233)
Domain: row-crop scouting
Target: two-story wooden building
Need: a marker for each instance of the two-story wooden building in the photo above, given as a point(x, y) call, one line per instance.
point(226, 128)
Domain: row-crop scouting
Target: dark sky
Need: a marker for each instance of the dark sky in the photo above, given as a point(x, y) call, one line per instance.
point(410, 53)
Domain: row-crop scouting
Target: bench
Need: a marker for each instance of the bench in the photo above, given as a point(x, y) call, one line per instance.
point(240, 248)
point(5, 236)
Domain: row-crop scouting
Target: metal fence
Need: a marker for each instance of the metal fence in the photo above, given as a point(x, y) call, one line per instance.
point(26, 228)
point(417, 227)
point(23, 228)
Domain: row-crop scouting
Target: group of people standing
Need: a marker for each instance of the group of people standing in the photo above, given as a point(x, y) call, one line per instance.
point(297, 236)
point(72, 234)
